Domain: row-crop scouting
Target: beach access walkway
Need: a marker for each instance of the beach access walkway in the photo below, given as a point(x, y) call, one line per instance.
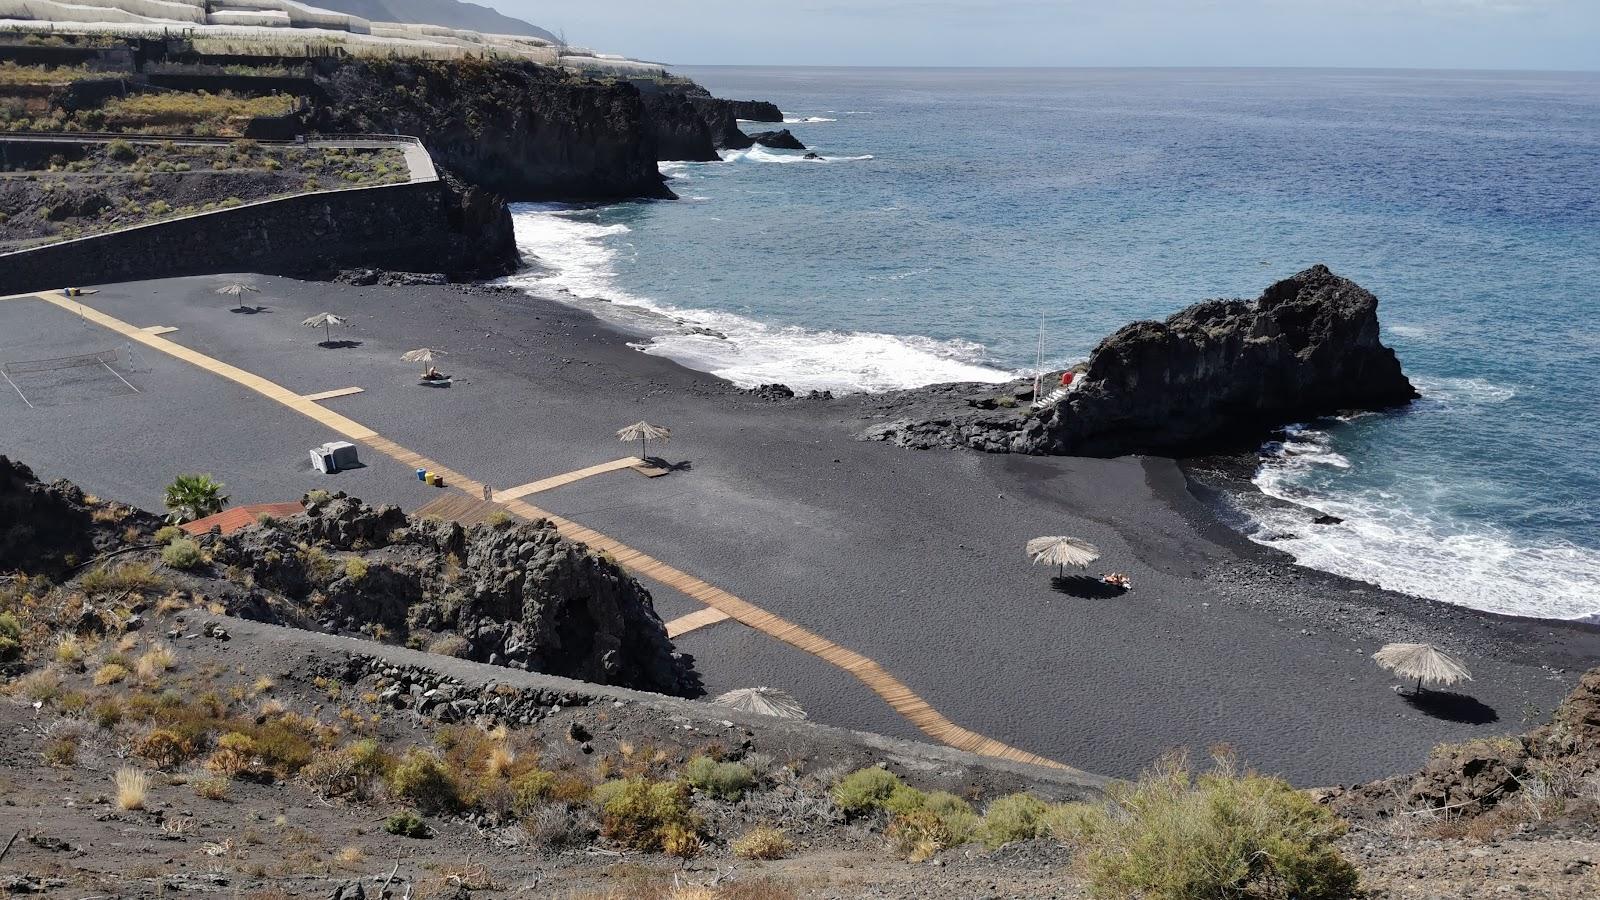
point(898, 695)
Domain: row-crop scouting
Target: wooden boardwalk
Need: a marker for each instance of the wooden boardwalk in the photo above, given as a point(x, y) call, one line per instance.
point(555, 481)
point(336, 392)
point(695, 621)
point(453, 507)
point(893, 691)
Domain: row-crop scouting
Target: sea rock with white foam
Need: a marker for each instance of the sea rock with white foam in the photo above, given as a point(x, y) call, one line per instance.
point(1219, 374)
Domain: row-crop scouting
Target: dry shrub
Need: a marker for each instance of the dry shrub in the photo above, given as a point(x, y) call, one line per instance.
point(427, 781)
point(164, 748)
point(1173, 835)
point(155, 661)
point(62, 751)
point(723, 780)
point(133, 788)
point(235, 754)
point(211, 788)
point(70, 652)
point(110, 673)
point(762, 842)
point(125, 577)
point(652, 816)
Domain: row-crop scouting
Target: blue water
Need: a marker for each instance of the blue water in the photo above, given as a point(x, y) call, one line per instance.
point(957, 205)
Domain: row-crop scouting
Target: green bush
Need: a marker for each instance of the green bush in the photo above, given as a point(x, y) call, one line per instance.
point(531, 790)
point(1175, 836)
point(426, 780)
point(355, 568)
point(921, 825)
point(121, 151)
point(723, 780)
point(865, 790)
point(120, 578)
point(166, 534)
point(1014, 817)
point(651, 816)
point(406, 824)
point(10, 637)
point(182, 553)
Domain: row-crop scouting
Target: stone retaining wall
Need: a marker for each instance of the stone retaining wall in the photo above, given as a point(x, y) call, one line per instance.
point(403, 227)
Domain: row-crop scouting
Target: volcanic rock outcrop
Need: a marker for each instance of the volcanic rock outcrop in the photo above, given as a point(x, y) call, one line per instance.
point(48, 528)
point(523, 131)
point(778, 140)
point(514, 594)
point(1218, 374)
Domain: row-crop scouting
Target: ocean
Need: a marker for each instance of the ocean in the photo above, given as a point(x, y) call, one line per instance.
point(955, 208)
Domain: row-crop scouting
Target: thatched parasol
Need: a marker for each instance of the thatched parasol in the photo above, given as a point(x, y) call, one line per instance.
point(763, 701)
point(238, 289)
point(422, 355)
point(1061, 552)
point(1424, 662)
point(325, 321)
point(642, 432)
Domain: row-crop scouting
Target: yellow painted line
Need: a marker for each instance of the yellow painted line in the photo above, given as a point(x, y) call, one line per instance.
point(893, 691)
point(336, 392)
point(348, 427)
point(555, 481)
point(158, 329)
point(695, 621)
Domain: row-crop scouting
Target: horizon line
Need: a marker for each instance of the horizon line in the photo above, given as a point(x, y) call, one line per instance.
point(1231, 67)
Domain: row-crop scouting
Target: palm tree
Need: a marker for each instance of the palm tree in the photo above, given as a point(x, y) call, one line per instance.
point(191, 497)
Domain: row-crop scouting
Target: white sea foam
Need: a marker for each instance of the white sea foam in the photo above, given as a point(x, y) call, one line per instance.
point(1464, 391)
point(807, 120)
point(759, 153)
point(579, 265)
point(1385, 542)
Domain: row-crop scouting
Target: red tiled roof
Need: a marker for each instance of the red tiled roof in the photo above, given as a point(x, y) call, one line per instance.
point(231, 520)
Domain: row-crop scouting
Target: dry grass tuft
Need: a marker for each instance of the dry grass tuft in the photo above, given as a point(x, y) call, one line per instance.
point(133, 788)
point(155, 661)
point(110, 673)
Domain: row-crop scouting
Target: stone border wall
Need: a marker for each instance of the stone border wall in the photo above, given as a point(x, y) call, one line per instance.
point(399, 226)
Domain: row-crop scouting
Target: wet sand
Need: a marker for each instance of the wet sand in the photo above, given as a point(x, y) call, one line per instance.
point(912, 558)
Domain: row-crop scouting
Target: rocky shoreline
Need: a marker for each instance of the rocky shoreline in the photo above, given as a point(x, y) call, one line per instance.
point(1217, 375)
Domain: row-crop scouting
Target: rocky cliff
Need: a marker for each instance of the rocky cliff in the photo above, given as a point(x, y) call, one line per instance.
point(520, 130)
point(677, 128)
point(1219, 373)
point(46, 529)
point(513, 594)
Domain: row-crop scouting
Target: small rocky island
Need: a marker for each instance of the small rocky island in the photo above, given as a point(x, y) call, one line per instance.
point(1218, 374)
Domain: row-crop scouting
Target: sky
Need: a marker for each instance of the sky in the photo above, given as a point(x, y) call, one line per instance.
point(1452, 34)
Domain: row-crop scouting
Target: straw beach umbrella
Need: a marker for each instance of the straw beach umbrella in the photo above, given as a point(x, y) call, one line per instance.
point(325, 321)
point(643, 432)
point(763, 701)
point(422, 355)
point(236, 290)
point(1061, 552)
point(1424, 662)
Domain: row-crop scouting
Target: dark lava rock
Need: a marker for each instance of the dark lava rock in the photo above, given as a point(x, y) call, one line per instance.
point(1473, 777)
point(47, 528)
point(778, 140)
point(813, 155)
point(772, 391)
point(1326, 519)
point(1218, 374)
point(755, 110)
point(517, 593)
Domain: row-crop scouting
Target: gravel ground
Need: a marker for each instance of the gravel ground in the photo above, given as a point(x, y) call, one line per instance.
point(911, 558)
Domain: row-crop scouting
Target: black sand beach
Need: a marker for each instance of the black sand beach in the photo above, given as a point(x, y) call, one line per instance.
point(912, 558)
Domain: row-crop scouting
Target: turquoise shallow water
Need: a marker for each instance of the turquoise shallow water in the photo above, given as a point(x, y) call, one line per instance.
point(956, 206)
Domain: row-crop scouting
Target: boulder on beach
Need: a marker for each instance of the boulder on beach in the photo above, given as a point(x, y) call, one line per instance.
point(778, 140)
point(1217, 375)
